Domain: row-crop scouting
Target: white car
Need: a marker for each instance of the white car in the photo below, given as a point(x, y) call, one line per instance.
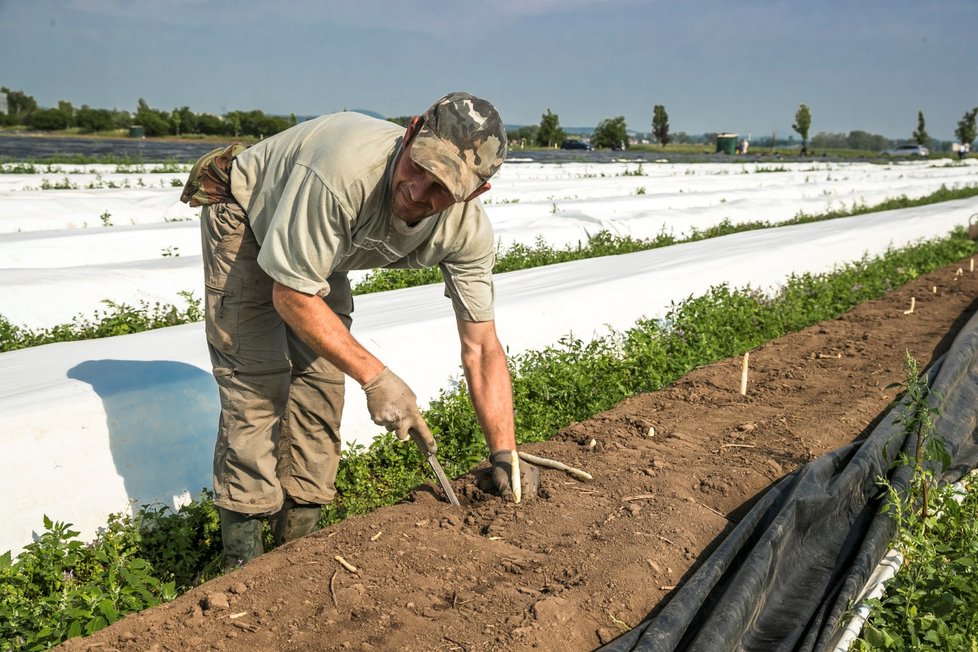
point(906, 150)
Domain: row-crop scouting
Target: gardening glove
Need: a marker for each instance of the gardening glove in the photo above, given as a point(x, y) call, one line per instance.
point(502, 469)
point(394, 406)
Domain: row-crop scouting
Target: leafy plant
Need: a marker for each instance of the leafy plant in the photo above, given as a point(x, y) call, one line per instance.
point(120, 319)
point(929, 604)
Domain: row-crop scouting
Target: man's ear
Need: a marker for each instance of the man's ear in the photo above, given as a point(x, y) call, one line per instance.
point(478, 191)
point(412, 128)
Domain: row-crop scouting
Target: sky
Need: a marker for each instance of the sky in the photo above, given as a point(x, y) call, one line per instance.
point(90, 425)
point(715, 65)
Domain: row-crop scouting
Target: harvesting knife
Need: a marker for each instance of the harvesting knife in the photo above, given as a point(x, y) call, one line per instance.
point(436, 467)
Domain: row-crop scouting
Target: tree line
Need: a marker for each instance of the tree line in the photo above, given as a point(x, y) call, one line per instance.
point(612, 133)
point(22, 109)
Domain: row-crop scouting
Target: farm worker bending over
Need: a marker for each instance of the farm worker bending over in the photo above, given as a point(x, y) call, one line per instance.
point(282, 224)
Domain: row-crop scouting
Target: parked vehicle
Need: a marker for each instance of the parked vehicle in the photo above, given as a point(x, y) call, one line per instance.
point(572, 143)
point(909, 149)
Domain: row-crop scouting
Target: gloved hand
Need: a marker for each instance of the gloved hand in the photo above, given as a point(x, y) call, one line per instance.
point(394, 406)
point(502, 469)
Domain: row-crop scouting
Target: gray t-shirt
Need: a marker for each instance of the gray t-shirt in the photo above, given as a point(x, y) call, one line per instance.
point(318, 199)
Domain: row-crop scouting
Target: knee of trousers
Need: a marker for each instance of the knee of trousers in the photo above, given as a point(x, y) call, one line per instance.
point(245, 455)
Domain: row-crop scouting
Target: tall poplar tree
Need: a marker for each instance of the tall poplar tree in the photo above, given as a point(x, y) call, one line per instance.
point(803, 123)
point(921, 135)
point(660, 125)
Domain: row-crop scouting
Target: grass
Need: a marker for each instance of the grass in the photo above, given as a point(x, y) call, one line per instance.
point(59, 587)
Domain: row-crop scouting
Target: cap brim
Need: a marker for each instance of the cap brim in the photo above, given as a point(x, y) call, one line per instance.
point(438, 157)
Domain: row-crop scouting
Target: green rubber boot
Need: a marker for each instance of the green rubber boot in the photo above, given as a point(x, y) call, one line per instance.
point(241, 536)
point(294, 521)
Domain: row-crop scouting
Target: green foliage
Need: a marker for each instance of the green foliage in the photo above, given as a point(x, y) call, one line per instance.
point(59, 587)
point(49, 119)
point(93, 120)
point(19, 104)
point(611, 133)
point(523, 136)
point(920, 135)
point(153, 121)
point(185, 546)
point(549, 134)
point(966, 130)
point(660, 124)
point(256, 123)
point(855, 140)
point(803, 123)
point(120, 319)
point(930, 603)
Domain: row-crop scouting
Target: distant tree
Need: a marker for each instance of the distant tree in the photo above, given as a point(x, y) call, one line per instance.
point(520, 137)
point(92, 120)
point(184, 121)
point(681, 138)
point(19, 104)
point(803, 122)
point(823, 140)
point(121, 119)
point(257, 123)
point(549, 134)
point(660, 124)
point(153, 121)
point(864, 140)
point(921, 135)
point(212, 125)
point(610, 132)
point(68, 110)
point(293, 121)
point(402, 120)
point(48, 119)
point(966, 130)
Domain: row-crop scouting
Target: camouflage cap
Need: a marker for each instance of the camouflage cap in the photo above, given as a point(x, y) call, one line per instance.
point(461, 141)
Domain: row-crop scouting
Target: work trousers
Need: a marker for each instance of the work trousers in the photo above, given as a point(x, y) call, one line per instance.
point(279, 430)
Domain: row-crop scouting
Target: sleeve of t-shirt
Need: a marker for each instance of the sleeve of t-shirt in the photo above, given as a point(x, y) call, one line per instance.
point(467, 270)
point(305, 234)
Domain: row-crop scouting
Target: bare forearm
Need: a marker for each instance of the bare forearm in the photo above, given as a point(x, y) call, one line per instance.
point(491, 391)
point(319, 327)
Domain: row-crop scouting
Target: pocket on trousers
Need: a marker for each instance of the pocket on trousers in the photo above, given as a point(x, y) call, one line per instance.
point(222, 309)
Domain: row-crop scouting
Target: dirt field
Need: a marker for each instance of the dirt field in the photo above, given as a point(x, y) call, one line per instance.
point(673, 471)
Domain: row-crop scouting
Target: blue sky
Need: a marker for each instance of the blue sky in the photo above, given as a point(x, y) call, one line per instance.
point(716, 65)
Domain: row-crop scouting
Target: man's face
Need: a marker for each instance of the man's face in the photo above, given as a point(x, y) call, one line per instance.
point(415, 192)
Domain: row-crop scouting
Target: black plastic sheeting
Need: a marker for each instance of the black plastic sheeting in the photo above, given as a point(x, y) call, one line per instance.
point(786, 574)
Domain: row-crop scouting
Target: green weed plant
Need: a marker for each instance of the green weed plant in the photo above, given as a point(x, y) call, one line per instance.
point(929, 605)
point(119, 319)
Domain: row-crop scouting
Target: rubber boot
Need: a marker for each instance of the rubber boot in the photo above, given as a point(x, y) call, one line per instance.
point(294, 521)
point(241, 536)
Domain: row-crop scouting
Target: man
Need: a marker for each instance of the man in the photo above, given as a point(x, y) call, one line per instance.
point(283, 222)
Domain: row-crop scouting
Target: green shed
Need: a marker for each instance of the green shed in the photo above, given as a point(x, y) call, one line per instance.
point(727, 143)
point(137, 131)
